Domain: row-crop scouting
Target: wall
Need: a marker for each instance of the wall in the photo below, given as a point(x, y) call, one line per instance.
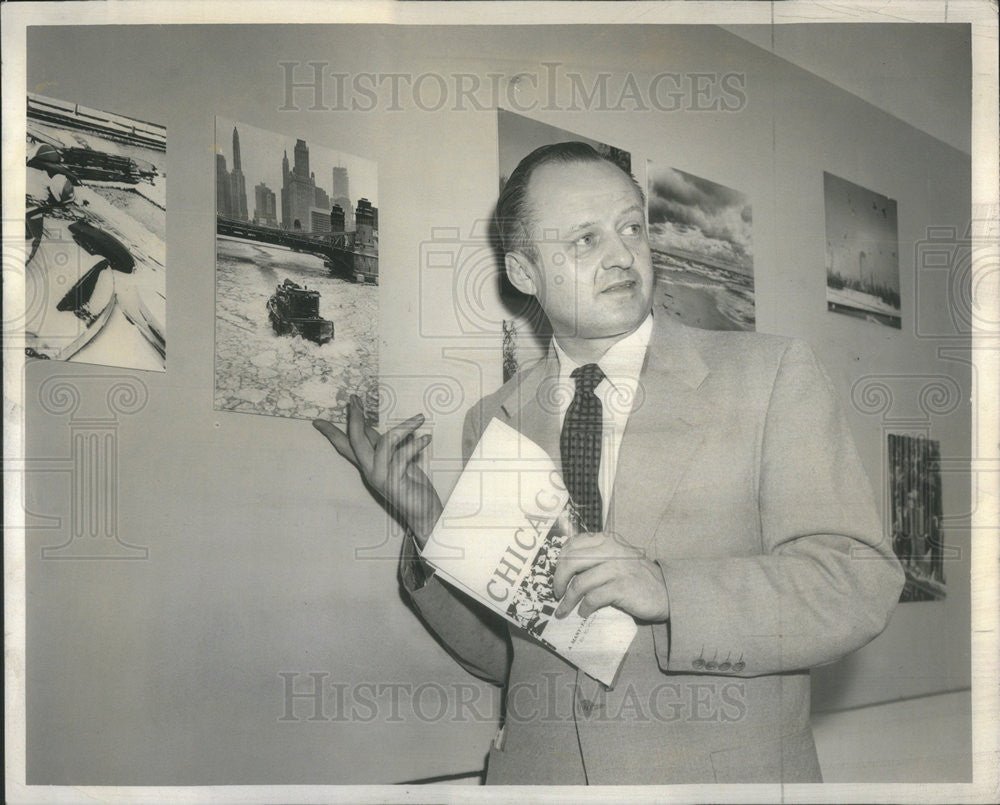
point(167, 670)
point(923, 740)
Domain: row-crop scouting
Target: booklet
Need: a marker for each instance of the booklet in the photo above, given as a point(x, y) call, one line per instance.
point(498, 540)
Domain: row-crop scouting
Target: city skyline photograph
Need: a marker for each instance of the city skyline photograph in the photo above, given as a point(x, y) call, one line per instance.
point(296, 279)
point(262, 152)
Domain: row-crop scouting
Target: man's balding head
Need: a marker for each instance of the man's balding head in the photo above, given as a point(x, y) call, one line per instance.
point(574, 232)
point(516, 216)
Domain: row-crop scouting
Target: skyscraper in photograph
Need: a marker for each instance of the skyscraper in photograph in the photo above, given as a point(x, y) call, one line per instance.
point(336, 219)
point(298, 196)
point(319, 220)
point(285, 171)
point(342, 195)
point(322, 199)
point(365, 224)
point(301, 159)
point(341, 182)
point(223, 188)
point(264, 206)
point(238, 182)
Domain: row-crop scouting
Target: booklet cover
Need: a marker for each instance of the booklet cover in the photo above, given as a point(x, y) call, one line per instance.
point(498, 540)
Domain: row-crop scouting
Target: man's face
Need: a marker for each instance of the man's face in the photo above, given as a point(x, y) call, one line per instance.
point(594, 276)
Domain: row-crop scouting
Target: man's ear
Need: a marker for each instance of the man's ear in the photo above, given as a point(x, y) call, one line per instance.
point(519, 273)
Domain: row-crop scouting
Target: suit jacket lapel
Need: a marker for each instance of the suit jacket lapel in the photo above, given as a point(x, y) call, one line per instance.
point(532, 408)
point(662, 435)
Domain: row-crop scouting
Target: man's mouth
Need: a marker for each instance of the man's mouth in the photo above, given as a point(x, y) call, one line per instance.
point(620, 285)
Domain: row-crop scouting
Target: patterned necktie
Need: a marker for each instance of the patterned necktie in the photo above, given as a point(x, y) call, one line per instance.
point(580, 446)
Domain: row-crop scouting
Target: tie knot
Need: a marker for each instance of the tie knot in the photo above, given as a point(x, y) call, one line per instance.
point(587, 377)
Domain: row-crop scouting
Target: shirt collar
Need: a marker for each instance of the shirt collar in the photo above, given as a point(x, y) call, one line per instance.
point(622, 363)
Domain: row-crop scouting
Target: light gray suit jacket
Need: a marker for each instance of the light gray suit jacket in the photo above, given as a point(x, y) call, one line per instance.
point(737, 474)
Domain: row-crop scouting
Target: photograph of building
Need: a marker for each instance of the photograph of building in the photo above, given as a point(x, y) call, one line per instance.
point(296, 294)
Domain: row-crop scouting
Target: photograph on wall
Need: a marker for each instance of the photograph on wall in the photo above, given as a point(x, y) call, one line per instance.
point(296, 295)
point(700, 234)
point(95, 236)
point(862, 253)
point(915, 515)
point(525, 335)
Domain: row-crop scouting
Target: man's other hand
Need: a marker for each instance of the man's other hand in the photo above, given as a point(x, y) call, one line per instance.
point(598, 570)
point(387, 464)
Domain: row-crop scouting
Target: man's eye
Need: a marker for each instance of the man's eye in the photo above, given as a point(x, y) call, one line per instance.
point(585, 241)
point(633, 229)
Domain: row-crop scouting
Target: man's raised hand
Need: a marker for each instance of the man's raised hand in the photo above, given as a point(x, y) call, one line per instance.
point(387, 464)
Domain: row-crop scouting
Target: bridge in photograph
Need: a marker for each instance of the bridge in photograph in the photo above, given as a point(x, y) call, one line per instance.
point(339, 250)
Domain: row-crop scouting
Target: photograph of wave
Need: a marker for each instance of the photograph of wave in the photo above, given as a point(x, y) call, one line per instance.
point(700, 233)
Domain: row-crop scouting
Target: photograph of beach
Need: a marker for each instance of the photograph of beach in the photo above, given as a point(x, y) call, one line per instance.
point(700, 234)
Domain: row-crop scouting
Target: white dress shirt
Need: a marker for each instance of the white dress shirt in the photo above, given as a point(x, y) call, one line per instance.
point(622, 365)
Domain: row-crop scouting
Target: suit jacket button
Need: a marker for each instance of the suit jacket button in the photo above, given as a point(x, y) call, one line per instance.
point(586, 707)
point(699, 664)
point(739, 666)
point(724, 666)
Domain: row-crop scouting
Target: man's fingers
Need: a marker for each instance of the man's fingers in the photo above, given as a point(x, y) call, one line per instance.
point(390, 442)
point(372, 434)
point(371, 451)
point(338, 439)
point(583, 540)
point(605, 595)
point(360, 443)
point(408, 450)
point(581, 551)
point(582, 584)
point(568, 565)
point(401, 465)
point(607, 544)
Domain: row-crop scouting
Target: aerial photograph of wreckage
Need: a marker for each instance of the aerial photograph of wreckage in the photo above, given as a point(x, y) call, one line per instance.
point(95, 268)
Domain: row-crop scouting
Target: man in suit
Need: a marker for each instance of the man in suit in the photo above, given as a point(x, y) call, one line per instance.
point(725, 504)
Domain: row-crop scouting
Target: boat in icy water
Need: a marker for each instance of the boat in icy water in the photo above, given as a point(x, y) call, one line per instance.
point(293, 309)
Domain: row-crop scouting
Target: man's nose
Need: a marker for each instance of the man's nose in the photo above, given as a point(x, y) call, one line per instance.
point(617, 254)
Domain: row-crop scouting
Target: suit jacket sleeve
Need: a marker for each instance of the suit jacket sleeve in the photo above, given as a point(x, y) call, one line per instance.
point(476, 637)
point(826, 579)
